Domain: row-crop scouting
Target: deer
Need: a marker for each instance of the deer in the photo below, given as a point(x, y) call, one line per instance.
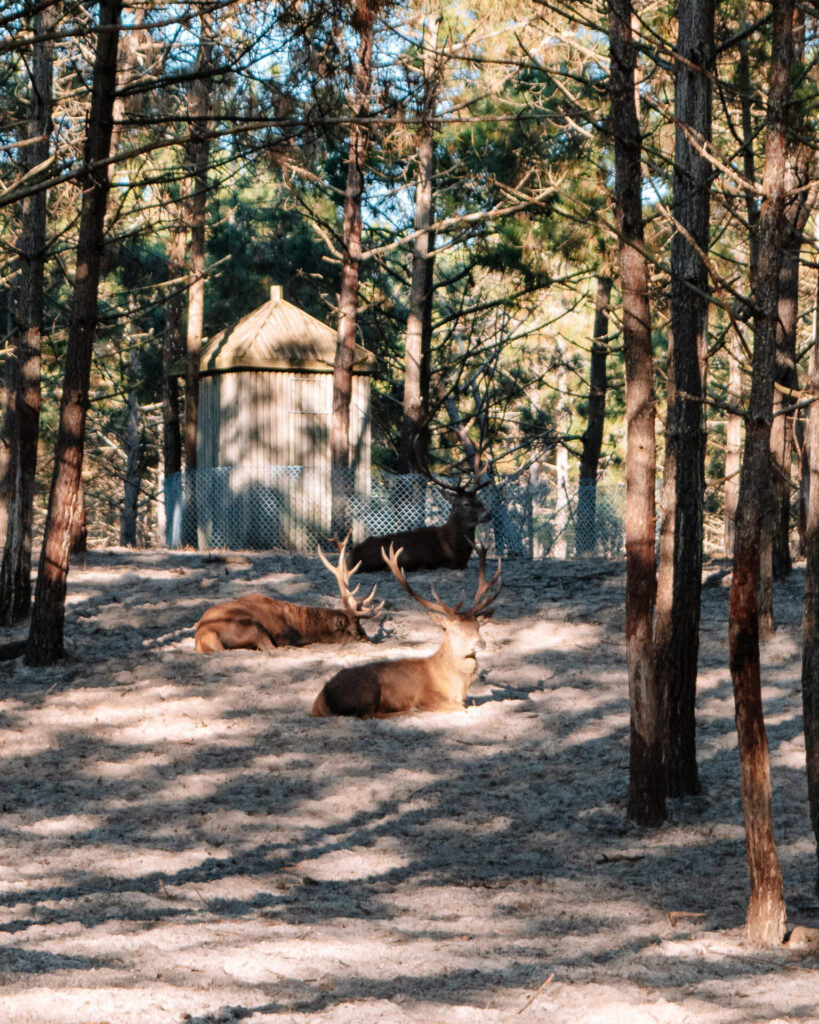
point(260, 623)
point(438, 682)
point(429, 547)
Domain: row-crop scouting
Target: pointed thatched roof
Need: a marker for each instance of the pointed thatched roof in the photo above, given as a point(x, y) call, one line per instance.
point(277, 336)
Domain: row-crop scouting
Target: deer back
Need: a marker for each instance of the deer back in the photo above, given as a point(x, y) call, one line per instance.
point(447, 546)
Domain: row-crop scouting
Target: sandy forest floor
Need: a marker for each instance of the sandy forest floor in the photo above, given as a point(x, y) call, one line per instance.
point(182, 842)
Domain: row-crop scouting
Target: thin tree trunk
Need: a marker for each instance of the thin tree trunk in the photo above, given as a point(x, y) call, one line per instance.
point(415, 398)
point(765, 920)
point(677, 658)
point(593, 435)
point(45, 641)
point(733, 448)
point(25, 343)
point(172, 349)
point(646, 799)
point(197, 157)
point(797, 210)
point(128, 520)
point(350, 264)
point(810, 617)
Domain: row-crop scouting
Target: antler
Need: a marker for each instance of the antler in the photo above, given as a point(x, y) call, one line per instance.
point(342, 572)
point(434, 606)
point(480, 470)
point(485, 595)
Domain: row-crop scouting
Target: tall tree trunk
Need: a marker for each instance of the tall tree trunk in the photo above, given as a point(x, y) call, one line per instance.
point(25, 342)
point(130, 502)
point(350, 264)
point(734, 421)
point(197, 157)
point(646, 798)
point(172, 349)
point(593, 435)
point(810, 616)
point(797, 210)
point(733, 447)
point(765, 920)
point(677, 659)
point(415, 398)
point(45, 641)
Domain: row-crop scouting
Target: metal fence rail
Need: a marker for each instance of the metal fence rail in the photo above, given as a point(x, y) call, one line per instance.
point(276, 507)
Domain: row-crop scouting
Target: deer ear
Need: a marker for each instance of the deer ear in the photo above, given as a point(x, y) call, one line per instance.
point(342, 622)
point(439, 619)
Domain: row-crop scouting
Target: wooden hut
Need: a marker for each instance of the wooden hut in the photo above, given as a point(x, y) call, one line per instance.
point(263, 449)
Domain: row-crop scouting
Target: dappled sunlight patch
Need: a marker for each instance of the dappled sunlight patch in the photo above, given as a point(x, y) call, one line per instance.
point(66, 825)
point(790, 753)
point(357, 863)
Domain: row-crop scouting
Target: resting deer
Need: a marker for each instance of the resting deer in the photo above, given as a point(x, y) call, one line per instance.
point(435, 683)
point(429, 547)
point(260, 623)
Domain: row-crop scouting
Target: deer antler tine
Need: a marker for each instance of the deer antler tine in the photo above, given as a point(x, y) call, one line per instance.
point(451, 609)
point(485, 595)
point(342, 574)
point(392, 562)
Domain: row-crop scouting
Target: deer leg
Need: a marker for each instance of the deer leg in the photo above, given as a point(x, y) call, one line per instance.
point(441, 704)
point(207, 641)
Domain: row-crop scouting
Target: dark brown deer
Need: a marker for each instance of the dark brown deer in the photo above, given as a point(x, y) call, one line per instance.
point(429, 547)
point(438, 682)
point(260, 623)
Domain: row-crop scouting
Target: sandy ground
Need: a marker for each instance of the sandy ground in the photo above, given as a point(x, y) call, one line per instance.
point(182, 842)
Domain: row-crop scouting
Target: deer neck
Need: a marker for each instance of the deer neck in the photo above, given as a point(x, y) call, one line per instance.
point(448, 663)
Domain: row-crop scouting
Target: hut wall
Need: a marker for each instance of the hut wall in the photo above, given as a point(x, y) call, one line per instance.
point(272, 428)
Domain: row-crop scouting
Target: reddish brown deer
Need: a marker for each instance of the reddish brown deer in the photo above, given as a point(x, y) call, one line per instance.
point(438, 682)
point(260, 623)
point(429, 547)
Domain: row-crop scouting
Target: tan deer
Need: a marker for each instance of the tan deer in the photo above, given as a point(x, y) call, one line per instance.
point(260, 623)
point(429, 547)
point(438, 682)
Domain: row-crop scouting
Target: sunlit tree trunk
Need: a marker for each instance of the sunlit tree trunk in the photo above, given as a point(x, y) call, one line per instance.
point(364, 23)
point(415, 397)
point(197, 157)
point(765, 920)
point(593, 434)
point(45, 641)
point(172, 351)
point(646, 799)
point(23, 423)
point(677, 658)
point(810, 617)
point(733, 448)
point(797, 210)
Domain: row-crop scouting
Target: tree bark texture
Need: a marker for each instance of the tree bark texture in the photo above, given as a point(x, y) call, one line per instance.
point(415, 398)
point(350, 265)
point(646, 799)
point(677, 661)
point(45, 641)
point(172, 350)
point(797, 210)
point(130, 501)
point(733, 448)
point(197, 157)
point(810, 616)
point(25, 343)
point(765, 921)
point(593, 435)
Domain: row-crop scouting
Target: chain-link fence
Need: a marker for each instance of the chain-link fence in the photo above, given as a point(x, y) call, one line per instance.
point(290, 506)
